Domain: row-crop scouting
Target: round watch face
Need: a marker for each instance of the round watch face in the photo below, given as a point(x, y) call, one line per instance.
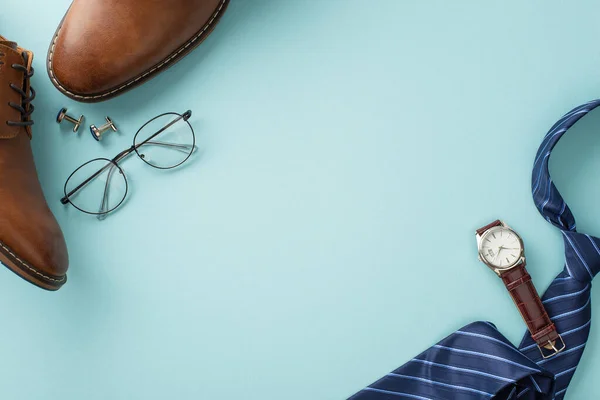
point(501, 247)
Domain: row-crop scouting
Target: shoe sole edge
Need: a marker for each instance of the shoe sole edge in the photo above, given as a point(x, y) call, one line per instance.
point(33, 275)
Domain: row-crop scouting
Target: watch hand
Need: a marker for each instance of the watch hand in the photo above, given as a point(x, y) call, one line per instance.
point(497, 254)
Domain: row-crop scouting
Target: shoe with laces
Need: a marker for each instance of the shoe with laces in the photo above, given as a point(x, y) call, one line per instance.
point(31, 242)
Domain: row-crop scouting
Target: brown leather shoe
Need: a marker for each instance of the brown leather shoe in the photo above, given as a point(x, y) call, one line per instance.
point(104, 47)
point(31, 242)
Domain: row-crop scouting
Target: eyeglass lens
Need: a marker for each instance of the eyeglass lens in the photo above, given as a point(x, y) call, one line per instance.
point(101, 194)
point(171, 147)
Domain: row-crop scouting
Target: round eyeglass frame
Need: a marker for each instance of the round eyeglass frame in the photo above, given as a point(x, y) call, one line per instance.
point(89, 162)
point(155, 118)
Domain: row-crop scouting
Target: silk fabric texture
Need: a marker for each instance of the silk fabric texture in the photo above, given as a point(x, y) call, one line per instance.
point(477, 362)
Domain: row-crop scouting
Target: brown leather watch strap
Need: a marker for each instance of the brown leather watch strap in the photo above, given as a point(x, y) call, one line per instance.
point(519, 285)
point(488, 226)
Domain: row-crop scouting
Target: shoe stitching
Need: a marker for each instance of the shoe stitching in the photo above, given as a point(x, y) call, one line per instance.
point(29, 267)
point(155, 68)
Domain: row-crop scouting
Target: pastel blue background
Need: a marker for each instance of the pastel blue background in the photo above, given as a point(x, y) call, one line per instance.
point(324, 233)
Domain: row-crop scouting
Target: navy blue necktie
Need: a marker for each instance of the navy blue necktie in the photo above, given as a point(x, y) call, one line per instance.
point(477, 362)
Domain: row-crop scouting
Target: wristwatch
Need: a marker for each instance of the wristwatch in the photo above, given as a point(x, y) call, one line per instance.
point(501, 249)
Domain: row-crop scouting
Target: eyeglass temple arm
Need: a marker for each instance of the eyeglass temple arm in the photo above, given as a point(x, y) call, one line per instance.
point(65, 199)
point(185, 116)
point(175, 146)
point(104, 204)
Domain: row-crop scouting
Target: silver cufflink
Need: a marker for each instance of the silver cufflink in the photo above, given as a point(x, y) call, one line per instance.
point(62, 115)
point(98, 131)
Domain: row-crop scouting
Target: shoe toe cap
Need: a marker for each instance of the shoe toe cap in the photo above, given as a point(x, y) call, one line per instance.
point(105, 47)
point(38, 254)
point(77, 72)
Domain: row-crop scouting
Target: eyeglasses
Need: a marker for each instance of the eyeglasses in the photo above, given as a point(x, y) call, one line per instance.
point(99, 186)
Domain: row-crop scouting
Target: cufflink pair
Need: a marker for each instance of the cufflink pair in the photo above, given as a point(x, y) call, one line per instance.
point(96, 132)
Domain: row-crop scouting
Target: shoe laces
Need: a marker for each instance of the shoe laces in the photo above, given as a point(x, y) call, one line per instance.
point(25, 108)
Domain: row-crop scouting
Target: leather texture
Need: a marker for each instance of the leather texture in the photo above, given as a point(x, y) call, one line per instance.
point(31, 241)
point(482, 230)
point(518, 282)
point(105, 47)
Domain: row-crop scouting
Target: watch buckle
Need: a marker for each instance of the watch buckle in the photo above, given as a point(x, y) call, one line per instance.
point(551, 349)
